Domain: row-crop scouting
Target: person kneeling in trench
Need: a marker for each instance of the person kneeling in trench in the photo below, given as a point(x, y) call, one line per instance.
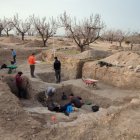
point(49, 93)
point(19, 82)
point(75, 102)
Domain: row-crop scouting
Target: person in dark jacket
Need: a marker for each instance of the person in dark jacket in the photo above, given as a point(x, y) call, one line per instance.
point(19, 82)
point(57, 68)
point(76, 101)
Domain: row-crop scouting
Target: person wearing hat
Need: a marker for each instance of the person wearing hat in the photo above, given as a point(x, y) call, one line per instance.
point(19, 82)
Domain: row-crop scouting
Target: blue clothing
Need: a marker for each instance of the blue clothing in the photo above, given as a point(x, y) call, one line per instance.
point(13, 53)
point(64, 108)
point(69, 109)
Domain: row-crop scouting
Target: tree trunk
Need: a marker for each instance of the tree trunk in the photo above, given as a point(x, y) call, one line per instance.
point(7, 33)
point(44, 43)
point(131, 46)
point(81, 48)
point(0, 32)
point(120, 44)
point(22, 34)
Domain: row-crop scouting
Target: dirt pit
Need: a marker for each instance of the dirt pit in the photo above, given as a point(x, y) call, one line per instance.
point(110, 117)
point(36, 96)
point(88, 97)
point(49, 77)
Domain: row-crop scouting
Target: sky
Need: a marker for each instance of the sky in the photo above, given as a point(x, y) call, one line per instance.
point(116, 14)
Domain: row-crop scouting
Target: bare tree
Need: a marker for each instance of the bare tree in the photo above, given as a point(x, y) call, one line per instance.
point(32, 32)
point(119, 36)
point(108, 36)
point(21, 26)
point(8, 26)
point(46, 29)
point(114, 35)
point(84, 32)
point(1, 27)
point(133, 38)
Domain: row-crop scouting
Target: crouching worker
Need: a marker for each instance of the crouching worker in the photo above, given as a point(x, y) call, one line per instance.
point(76, 101)
point(49, 93)
point(69, 109)
point(19, 82)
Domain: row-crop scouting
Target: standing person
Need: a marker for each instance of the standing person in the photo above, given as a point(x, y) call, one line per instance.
point(31, 61)
point(19, 80)
point(57, 68)
point(14, 55)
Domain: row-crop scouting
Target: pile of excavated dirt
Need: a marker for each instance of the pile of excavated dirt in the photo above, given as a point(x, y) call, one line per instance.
point(90, 54)
point(124, 59)
point(125, 71)
point(93, 54)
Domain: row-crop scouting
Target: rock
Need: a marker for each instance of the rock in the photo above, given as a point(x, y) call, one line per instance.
point(135, 101)
point(33, 127)
point(137, 69)
point(9, 119)
point(130, 67)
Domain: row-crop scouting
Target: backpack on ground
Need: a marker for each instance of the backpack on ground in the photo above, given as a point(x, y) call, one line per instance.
point(3, 66)
point(95, 108)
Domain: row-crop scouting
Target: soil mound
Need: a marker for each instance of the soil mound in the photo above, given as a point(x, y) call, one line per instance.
point(124, 59)
point(93, 54)
point(123, 72)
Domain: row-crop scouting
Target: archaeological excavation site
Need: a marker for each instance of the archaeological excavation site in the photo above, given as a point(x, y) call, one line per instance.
point(116, 94)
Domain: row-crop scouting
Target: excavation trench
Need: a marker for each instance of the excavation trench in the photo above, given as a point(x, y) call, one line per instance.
point(10, 80)
point(36, 103)
point(88, 97)
point(49, 77)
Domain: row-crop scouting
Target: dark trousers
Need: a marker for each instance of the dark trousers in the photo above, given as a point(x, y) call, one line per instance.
point(14, 58)
point(58, 75)
point(21, 92)
point(32, 69)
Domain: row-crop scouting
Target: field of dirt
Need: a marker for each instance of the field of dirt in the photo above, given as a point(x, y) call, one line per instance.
point(27, 119)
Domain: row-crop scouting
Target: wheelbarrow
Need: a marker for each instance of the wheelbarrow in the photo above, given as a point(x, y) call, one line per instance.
point(90, 82)
point(11, 68)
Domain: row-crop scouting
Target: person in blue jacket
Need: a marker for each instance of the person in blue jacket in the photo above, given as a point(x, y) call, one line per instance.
point(14, 55)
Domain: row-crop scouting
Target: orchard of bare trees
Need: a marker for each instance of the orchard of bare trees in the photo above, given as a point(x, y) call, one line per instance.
point(83, 32)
